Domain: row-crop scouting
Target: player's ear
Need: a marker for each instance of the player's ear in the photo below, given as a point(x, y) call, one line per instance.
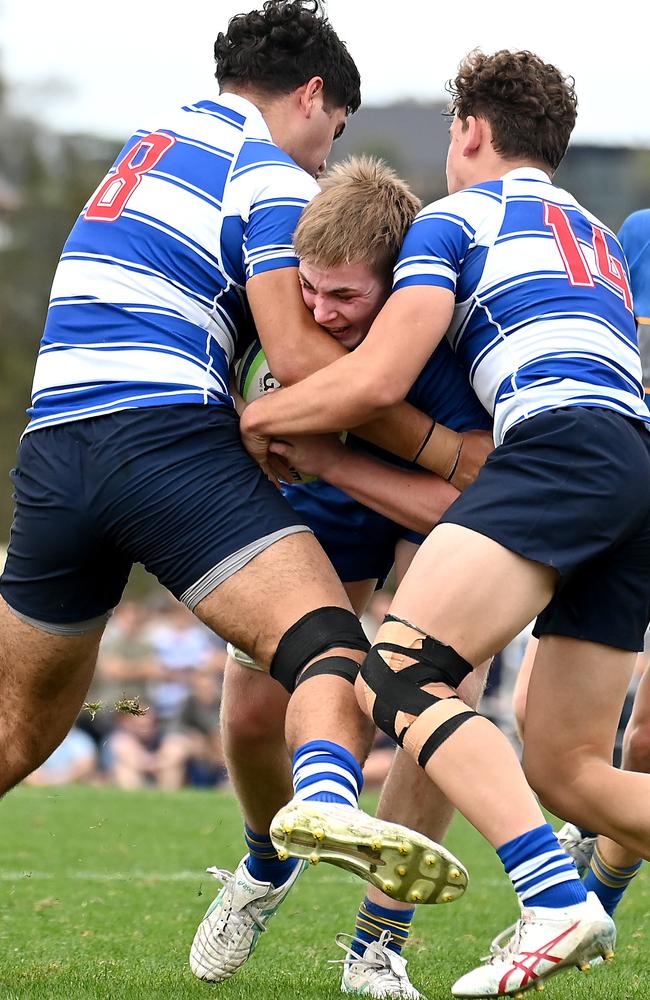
point(474, 133)
point(310, 95)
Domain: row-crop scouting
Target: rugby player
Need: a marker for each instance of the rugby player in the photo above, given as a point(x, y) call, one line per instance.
point(532, 293)
point(133, 452)
point(347, 241)
point(611, 868)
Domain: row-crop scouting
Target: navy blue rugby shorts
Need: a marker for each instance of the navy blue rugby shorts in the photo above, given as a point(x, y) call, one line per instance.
point(359, 542)
point(570, 488)
point(170, 487)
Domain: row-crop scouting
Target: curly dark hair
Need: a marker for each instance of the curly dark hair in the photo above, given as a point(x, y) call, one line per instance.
point(530, 105)
point(282, 46)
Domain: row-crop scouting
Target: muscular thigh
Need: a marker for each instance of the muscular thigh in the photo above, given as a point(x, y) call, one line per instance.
point(249, 692)
point(575, 695)
point(471, 592)
point(254, 607)
point(44, 680)
point(471, 689)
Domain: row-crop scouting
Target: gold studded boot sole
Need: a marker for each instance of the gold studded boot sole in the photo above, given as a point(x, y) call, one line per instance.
point(402, 863)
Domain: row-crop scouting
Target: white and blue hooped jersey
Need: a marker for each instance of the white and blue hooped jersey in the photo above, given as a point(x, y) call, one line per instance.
point(148, 301)
point(543, 315)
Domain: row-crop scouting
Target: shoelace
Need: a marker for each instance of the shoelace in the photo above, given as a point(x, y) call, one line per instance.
point(500, 952)
point(573, 838)
point(389, 961)
point(227, 878)
point(221, 874)
point(580, 848)
point(387, 969)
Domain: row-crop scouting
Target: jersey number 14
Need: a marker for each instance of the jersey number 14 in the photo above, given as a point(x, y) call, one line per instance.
point(575, 262)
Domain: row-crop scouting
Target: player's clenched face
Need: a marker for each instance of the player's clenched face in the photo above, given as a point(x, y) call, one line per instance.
point(344, 300)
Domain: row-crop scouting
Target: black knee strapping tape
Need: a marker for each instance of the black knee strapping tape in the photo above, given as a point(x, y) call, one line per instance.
point(393, 693)
point(445, 664)
point(441, 734)
point(334, 666)
point(397, 691)
point(315, 633)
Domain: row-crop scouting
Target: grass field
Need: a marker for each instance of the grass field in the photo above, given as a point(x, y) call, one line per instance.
point(103, 891)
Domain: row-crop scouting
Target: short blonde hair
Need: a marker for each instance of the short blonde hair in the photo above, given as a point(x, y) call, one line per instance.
point(361, 215)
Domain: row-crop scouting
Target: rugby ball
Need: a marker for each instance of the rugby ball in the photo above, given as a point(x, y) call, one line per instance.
point(253, 378)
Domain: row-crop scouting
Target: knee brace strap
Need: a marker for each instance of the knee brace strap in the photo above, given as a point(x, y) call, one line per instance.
point(314, 633)
point(335, 666)
point(434, 661)
point(395, 673)
point(429, 731)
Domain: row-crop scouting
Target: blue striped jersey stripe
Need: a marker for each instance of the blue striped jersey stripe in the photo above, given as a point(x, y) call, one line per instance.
point(148, 302)
point(535, 325)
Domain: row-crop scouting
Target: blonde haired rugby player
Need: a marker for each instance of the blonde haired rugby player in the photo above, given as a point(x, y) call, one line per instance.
point(347, 240)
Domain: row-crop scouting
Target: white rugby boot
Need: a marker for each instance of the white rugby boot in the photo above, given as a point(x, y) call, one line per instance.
point(379, 972)
point(580, 848)
point(543, 942)
point(402, 863)
point(227, 935)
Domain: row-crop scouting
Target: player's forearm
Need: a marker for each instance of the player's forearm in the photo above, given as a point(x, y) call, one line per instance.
point(408, 432)
point(305, 351)
point(412, 498)
point(400, 429)
point(346, 395)
point(336, 398)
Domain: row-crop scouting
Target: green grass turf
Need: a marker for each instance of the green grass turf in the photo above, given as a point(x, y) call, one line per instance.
point(102, 891)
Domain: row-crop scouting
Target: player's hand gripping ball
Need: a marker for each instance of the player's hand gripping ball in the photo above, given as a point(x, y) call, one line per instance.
point(253, 378)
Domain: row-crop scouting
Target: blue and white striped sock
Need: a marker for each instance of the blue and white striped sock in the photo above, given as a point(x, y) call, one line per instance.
point(542, 873)
point(326, 772)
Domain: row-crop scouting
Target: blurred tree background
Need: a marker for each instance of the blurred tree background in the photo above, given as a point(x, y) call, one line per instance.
point(46, 178)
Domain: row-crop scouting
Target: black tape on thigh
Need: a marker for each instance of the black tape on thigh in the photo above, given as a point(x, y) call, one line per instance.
point(335, 666)
point(315, 633)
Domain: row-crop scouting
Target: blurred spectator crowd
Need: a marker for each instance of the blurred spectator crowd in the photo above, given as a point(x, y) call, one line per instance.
point(152, 714)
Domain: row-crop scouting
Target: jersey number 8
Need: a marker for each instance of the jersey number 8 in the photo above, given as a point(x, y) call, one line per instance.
point(109, 201)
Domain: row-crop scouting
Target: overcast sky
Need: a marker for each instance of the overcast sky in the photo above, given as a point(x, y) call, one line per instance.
point(106, 66)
